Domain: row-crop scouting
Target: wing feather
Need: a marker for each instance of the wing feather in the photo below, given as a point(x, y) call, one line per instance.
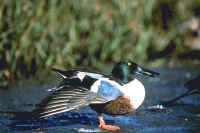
point(67, 99)
point(72, 94)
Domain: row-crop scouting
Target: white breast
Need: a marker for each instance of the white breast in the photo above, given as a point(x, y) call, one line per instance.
point(136, 91)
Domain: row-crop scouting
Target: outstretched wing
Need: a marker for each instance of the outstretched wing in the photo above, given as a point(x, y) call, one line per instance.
point(73, 93)
point(67, 99)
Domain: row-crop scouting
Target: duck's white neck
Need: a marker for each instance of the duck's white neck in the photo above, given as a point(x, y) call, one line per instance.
point(136, 91)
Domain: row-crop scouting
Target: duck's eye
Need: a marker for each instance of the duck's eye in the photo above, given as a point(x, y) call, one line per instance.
point(129, 64)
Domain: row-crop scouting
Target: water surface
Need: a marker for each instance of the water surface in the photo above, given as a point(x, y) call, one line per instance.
point(17, 104)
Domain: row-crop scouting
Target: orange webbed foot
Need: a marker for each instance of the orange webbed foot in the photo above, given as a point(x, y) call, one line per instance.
point(104, 126)
point(109, 127)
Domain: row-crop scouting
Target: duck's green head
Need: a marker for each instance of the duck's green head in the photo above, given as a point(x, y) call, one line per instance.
point(125, 71)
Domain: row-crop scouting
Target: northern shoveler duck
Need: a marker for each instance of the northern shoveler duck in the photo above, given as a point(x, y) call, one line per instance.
point(193, 87)
point(118, 94)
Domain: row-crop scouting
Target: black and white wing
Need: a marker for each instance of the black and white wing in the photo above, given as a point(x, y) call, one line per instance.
point(67, 99)
point(82, 89)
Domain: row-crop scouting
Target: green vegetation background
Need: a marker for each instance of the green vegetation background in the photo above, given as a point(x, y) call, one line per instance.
point(40, 34)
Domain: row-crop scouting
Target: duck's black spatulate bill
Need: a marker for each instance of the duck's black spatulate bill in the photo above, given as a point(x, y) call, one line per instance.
point(147, 72)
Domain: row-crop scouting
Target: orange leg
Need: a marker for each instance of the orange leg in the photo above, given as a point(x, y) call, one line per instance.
point(103, 125)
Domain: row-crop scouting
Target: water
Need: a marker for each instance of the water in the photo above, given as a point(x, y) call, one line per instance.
point(17, 103)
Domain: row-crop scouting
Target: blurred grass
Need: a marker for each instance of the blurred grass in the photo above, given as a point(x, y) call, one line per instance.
point(36, 35)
